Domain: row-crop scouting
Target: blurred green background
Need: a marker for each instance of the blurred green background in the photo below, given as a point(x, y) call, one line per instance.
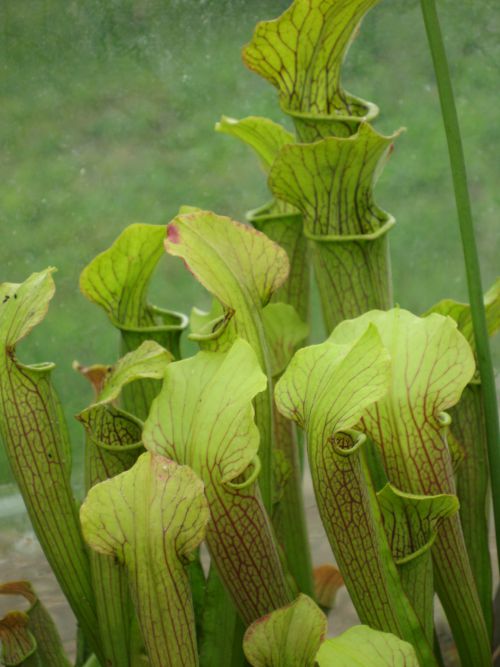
point(106, 118)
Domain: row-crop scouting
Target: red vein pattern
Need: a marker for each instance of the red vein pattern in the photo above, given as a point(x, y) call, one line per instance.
point(291, 635)
point(112, 445)
point(360, 645)
point(325, 389)
point(301, 54)
point(411, 523)
point(242, 268)
point(331, 182)
point(36, 441)
point(118, 280)
point(468, 429)
point(204, 418)
point(48, 641)
point(431, 364)
point(151, 518)
point(18, 644)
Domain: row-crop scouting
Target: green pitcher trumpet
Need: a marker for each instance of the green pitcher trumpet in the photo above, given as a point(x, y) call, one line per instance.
point(325, 389)
point(301, 54)
point(431, 364)
point(151, 518)
point(36, 441)
point(242, 269)
point(118, 281)
point(204, 418)
point(331, 182)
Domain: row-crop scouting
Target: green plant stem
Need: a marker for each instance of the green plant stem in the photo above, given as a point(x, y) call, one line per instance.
point(82, 652)
point(92, 662)
point(459, 175)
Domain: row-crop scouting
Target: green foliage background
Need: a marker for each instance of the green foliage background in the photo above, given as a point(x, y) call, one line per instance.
point(107, 110)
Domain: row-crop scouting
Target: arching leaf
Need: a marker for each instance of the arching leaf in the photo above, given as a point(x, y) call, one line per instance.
point(118, 280)
point(431, 363)
point(312, 391)
point(242, 268)
point(147, 361)
point(203, 418)
point(287, 637)
point(326, 389)
point(35, 436)
point(263, 135)
point(362, 646)
point(238, 265)
point(151, 518)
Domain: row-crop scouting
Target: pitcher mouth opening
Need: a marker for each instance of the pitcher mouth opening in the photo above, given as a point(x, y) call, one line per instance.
point(265, 213)
point(368, 112)
point(165, 320)
point(389, 222)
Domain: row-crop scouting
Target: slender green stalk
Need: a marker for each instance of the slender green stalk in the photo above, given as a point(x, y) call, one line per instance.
point(472, 268)
point(221, 629)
